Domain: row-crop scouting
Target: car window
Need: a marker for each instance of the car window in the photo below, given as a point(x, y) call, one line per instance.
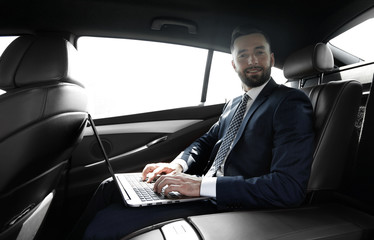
point(358, 41)
point(4, 42)
point(130, 76)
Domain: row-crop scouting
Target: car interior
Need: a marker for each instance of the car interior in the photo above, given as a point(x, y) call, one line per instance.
point(51, 79)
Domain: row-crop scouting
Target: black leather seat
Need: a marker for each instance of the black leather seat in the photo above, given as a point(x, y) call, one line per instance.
point(42, 117)
point(335, 108)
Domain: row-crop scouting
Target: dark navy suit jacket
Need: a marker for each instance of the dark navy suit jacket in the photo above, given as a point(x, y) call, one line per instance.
point(269, 164)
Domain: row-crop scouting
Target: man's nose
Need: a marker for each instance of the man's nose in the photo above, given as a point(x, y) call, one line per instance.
point(252, 59)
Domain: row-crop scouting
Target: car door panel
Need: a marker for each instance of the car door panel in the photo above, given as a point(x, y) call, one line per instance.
point(133, 141)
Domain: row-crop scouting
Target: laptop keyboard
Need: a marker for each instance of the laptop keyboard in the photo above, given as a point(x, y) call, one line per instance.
point(143, 189)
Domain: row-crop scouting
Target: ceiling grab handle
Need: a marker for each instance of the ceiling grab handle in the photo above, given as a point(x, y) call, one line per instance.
point(159, 23)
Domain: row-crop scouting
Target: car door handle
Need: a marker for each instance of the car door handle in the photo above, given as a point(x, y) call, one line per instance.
point(157, 141)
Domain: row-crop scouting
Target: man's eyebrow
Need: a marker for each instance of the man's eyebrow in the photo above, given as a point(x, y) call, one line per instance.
point(260, 47)
point(256, 48)
point(242, 50)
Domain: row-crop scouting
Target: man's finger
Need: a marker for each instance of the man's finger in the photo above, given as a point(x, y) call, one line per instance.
point(184, 184)
point(155, 173)
point(161, 170)
point(162, 182)
point(171, 188)
point(147, 169)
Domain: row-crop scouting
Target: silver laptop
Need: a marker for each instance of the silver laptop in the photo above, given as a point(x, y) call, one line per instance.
point(134, 191)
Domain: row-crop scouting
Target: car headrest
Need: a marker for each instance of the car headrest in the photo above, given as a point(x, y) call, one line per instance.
point(37, 60)
point(309, 61)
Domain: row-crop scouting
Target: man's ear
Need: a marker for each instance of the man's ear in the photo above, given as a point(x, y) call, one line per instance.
point(272, 59)
point(233, 64)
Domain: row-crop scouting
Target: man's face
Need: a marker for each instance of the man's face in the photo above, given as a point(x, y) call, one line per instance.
point(252, 60)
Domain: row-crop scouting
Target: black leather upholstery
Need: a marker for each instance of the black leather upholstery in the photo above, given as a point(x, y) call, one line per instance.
point(308, 62)
point(43, 114)
point(315, 222)
point(335, 107)
point(333, 221)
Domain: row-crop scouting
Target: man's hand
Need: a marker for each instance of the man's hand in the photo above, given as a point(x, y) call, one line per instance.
point(185, 184)
point(153, 170)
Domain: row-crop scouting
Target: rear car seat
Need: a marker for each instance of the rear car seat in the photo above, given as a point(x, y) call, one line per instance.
point(335, 108)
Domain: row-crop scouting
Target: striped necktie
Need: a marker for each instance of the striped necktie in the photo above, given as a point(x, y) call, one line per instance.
point(230, 136)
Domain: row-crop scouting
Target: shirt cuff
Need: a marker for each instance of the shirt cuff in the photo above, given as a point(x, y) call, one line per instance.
point(182, 163)
point(208, 187)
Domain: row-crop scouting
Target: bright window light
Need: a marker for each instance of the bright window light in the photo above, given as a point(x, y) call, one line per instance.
point(358, 41)
point(4, 42)
point(130, 76)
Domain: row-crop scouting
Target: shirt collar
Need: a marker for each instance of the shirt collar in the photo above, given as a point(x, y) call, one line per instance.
point(254, 92)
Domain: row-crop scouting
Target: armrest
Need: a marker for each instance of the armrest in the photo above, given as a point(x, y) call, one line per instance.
point(320, 222)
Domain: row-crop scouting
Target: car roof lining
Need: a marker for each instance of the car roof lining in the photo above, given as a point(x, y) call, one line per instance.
point(291, 24)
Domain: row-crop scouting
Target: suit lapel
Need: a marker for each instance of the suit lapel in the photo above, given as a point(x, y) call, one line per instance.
point(261, 98)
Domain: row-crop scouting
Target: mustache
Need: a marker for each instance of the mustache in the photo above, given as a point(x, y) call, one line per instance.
point(252, 68)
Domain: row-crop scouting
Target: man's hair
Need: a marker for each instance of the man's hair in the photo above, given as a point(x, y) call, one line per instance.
point(246, 30)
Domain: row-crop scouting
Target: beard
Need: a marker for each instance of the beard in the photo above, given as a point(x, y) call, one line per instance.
point(255, 80)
